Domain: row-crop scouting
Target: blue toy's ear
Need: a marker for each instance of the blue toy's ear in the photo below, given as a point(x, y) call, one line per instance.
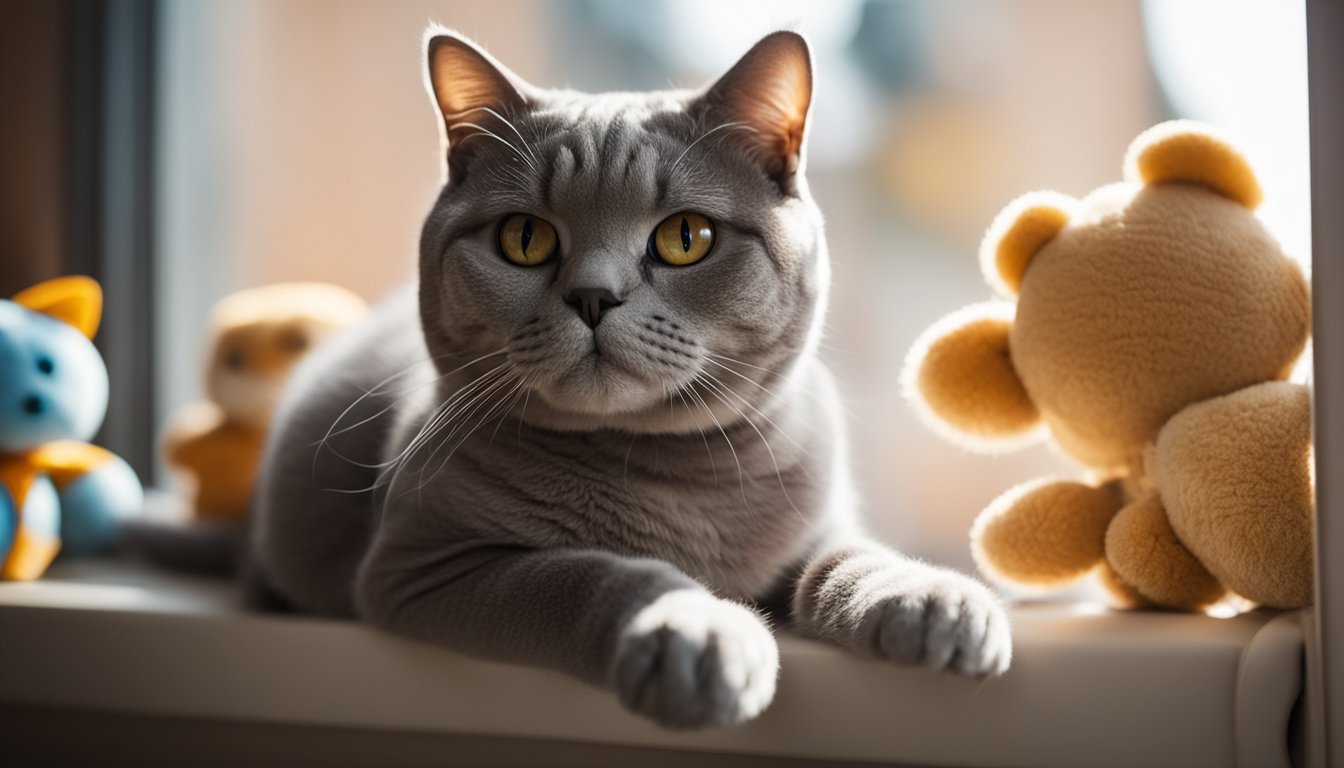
point(77, 300)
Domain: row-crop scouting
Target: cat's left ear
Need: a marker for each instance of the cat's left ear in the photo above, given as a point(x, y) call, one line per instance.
point(768, 94)
point(475, 94)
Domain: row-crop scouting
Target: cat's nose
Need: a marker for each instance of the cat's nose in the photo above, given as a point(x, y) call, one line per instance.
point(590, 303)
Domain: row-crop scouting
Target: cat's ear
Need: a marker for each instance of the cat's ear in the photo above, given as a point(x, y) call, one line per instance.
point(763, 102)
point(475, 94)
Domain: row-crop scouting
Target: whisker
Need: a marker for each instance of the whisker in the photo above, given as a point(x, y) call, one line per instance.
point(522, 415)
point(444, 413)
point(479, 423)
point(467, 409)
point(712, 466)
point(740, 481)
point(768, 392)
point(500, 118)
point(518, 395)
point(506, 174)
point(433, 423)
point(725, 358)
point(375, 390)
point(736, 125)
point(486, 131)
point(392, 467)
point(749, 404)
point(715, 388)
point(776, 374)
point(323, 444)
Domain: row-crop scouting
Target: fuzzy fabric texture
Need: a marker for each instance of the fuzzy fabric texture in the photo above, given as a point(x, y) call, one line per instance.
point(1155, 320)
point(257, 336)
point(1045, 533)
point(1235, 474)
point(57, 492)
point(968, 375)
point(1145, 553)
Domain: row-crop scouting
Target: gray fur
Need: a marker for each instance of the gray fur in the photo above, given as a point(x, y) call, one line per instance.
point(492, 475)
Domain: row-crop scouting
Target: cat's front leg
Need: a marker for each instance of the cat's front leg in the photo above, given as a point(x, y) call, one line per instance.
point(669, 649)
point(878, 603)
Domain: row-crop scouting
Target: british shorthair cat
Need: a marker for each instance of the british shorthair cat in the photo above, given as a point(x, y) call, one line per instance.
point(597, 437)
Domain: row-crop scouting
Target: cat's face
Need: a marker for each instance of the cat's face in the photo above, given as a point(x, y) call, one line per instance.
point(650, 262)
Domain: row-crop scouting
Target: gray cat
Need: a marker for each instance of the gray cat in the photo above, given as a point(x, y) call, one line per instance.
point(601, 440)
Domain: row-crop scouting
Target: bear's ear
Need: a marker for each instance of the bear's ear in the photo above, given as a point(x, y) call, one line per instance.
point(1018, 233)
point(77, 300)
point(1183, 150)
point(960, 376)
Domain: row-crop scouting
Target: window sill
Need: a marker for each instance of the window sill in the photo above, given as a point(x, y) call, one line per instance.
point(1088, 687)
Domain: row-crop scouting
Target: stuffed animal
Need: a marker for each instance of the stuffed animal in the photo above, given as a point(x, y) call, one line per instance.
point(1155, 326)
point(57, 492)
point(257, 337)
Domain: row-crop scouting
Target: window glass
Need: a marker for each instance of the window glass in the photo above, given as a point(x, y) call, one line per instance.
point(298, 143)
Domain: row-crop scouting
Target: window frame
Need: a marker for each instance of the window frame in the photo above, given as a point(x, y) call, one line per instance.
point(1325, 671)
point(110, 129)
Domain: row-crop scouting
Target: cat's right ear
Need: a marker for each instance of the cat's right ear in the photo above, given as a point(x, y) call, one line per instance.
point(476, 95)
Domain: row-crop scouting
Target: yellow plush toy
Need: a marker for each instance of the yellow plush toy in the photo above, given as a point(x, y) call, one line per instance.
point(259, 334)
point(1156, 323)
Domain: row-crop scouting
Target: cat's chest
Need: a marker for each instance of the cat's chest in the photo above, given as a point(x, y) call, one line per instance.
point(730, 518)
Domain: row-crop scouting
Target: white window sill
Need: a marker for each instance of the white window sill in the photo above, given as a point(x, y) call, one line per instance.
point(1087, 688)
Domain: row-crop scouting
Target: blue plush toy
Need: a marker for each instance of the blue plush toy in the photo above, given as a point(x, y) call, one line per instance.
point(57, 492)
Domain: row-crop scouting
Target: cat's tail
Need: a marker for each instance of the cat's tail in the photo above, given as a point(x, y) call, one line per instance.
point(206, 548)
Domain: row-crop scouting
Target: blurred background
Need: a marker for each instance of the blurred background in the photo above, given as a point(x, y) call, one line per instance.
point(180, 150)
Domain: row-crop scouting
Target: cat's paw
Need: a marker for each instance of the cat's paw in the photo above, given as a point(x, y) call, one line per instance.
point(691, 660)
point(942, 620)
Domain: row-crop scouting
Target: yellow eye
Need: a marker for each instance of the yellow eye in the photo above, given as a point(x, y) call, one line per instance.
point(527, 240)
point(682, 239)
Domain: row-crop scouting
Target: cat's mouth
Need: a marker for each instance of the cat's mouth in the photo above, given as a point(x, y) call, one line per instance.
point(600, 383)
point(605, 378)
point(628, 366)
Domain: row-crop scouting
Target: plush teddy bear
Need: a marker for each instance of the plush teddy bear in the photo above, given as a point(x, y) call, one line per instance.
point(258, 335)
point(1156, 323)
point(57, 492)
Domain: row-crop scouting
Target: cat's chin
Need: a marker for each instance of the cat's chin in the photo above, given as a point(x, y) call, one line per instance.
point(601, 390)
point(655, 419)
point(605, 396)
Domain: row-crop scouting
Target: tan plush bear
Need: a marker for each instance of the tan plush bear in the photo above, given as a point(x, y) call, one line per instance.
point(1155, 325)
